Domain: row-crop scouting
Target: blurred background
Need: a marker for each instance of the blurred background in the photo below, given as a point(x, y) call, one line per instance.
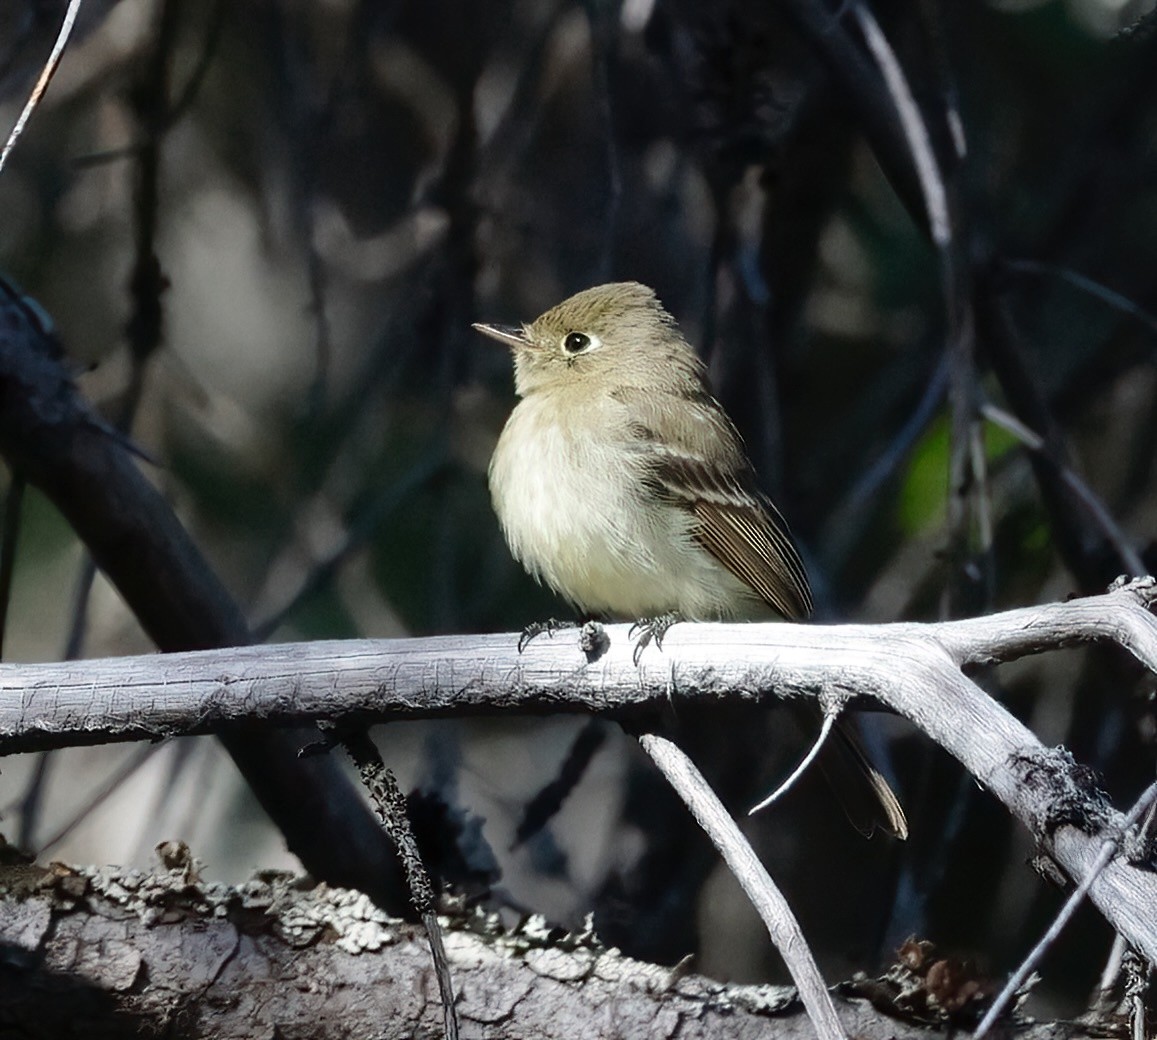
point(335, 190)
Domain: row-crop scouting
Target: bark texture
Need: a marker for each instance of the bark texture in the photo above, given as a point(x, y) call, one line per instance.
point(135, 955)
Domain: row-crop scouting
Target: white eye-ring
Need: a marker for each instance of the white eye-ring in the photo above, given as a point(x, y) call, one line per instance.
point(579, 342)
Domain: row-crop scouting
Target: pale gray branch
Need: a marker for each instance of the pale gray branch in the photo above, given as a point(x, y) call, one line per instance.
point(916, 670)
point(765, 896)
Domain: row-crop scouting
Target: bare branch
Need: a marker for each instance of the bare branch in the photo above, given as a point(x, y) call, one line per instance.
point(915, 132)
point(913, 669)
point(43, 80)
point(151, 697)
point(817, 745)
point(276, 956)
point(1028, 965)
point(754, 879)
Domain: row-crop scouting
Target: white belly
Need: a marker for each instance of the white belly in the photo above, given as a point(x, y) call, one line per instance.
point(584, 524)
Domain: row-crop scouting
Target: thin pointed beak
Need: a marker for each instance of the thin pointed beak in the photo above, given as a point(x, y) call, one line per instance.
point(508, 335)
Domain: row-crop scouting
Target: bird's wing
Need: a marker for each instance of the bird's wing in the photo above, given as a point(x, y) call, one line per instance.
point(699, 462)
point(758, 550)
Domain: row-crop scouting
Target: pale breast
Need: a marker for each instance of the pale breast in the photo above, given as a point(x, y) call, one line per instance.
point(577, 513)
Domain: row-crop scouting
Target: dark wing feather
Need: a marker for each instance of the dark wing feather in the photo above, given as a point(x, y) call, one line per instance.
point(870, 805)
point(749, 542)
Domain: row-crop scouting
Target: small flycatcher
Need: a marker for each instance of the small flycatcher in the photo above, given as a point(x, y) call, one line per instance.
point(621, 483)
point(619, 480)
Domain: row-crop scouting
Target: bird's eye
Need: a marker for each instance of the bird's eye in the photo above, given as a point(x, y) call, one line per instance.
point(577, 342)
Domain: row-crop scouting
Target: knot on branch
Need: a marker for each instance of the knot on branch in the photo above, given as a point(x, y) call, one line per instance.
point(1143, 589)
point(1068, 793)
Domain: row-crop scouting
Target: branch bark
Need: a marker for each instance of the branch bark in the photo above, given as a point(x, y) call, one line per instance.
point(764, 894)
point(167, 954)
point(916, 670)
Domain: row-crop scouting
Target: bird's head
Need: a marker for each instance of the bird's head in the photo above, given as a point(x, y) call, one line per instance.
point(609, 332)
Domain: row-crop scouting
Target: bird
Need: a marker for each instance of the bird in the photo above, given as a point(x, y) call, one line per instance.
point(620, 482)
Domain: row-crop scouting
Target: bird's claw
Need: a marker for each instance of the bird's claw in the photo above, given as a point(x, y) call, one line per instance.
point(651, 630)
point(537, 628)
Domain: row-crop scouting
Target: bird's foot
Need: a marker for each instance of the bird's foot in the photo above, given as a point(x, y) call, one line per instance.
point(652, 630)
point(537, 628)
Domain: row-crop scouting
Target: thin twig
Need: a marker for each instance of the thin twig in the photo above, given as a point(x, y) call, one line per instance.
point(1112, 969)
point(808, 759)
point(930, 14)
point(78, 625)
point(305, 122)
point(767, 899)
point(846, 522)
point(29, 803)
point(1074, 534)
point(185, 97)
point(176, 109)
point(1120, 947)
point(958, 317)
point(43, 80)
point(1028, 965)
point(390, 807)
point(1101, 516)
point(547, 802)
point(983, 506)
point(859, 81)
point(1112, 298)
point(916, 133)
point(604, 25)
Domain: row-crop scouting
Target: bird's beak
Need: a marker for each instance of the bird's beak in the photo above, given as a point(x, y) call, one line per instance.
point(508, 335)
